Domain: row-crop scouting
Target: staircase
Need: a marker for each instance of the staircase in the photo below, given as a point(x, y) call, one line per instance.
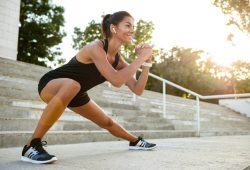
point(239, 105)
point(21, 107)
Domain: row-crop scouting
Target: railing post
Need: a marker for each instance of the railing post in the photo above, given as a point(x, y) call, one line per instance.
point(164, 98)
point(198, 115)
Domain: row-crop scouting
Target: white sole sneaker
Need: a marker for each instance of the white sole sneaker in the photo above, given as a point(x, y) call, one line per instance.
point(142, 148)
point(25, 159)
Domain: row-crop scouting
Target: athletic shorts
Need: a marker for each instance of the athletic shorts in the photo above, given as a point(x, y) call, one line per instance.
point(80, 99)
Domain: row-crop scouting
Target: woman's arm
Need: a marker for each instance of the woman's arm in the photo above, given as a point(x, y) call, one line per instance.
point(136, 86)
point(117, 77)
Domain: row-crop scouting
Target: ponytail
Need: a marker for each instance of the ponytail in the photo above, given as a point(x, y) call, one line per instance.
point(105, 26)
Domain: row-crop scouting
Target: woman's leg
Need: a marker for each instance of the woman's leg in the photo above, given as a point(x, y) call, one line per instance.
point(57, 94)
point(94, 113)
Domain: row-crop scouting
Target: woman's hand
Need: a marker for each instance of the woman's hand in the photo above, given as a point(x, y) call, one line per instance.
point(144, 51)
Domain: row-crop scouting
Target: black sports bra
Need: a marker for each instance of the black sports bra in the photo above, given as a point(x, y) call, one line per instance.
point(86, 74)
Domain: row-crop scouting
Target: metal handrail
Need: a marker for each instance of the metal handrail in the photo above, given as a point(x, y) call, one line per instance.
point(198, 96)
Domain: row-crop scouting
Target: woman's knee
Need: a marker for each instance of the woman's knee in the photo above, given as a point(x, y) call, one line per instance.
point(69, 90)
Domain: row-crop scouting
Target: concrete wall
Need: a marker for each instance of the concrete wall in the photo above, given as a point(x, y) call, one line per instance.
point(9, 21)
point(239, 105)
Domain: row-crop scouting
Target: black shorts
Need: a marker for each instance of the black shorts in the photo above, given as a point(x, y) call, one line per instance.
point(80, 99)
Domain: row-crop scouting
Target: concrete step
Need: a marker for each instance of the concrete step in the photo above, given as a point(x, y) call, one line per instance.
point(224, 132)
point(12, 124)
point(13, 93)
point(131, 113)
point(18, 83)
point(182, 107)
point(208, 124)
point(19, 138)
point(212, 116)
point(146, 120)
point(21, 69)
point(156, 98)
point(231, 126)
point(34, 113)
point(19, 124)
point(147, 126)
point(37, 103)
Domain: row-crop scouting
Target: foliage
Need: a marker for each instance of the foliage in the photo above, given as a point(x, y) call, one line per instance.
point(180, 66)
point(40, 32)
point(92, 32)
point(237, 77)
point(187, 68)
point(238, 12)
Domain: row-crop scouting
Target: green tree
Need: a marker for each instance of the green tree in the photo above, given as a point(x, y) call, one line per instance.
point(244, 86)
point(238, 12)
point(238, 76)
point(92, 32)
point(181, 68)
point(40, 32)
point(185, 67)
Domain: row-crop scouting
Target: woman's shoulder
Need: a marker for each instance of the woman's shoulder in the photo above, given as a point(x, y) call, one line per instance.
point(91, 47)
point(95, 44)
point(88, 51)
point(95, 47)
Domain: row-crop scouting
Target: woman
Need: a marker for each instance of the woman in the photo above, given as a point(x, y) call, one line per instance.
point(95, 63)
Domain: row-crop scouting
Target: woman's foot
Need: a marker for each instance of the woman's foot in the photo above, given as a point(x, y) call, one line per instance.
point(35, 153)
point(141, 144)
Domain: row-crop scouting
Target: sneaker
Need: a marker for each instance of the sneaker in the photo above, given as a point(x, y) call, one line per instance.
point(36, 154)
point(141, 144)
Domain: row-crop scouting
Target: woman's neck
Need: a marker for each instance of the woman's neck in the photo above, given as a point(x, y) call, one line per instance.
point(113, 46)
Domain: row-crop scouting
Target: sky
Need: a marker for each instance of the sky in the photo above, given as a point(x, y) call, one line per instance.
point(195, 24)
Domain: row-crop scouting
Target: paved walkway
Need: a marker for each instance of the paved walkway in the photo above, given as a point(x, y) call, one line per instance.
point(205, 153)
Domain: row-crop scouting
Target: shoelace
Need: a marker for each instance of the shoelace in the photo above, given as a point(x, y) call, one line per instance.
point(39, 147)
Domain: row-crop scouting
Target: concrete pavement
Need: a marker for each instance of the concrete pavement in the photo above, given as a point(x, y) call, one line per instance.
point(205, 153)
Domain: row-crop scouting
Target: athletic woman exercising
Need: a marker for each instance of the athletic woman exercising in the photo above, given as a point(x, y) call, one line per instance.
point(95, 63)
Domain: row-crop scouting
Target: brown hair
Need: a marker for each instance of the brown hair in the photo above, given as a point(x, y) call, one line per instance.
point(114, 19)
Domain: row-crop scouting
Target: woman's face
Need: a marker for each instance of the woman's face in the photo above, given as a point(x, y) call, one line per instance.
point(125, 30)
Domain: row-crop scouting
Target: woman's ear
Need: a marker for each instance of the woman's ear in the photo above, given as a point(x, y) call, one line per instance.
point(113, 28)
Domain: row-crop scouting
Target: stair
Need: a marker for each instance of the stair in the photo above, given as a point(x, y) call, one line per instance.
point(21, 107)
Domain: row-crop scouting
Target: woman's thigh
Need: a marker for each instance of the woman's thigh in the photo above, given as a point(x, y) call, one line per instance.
point(60, 86)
